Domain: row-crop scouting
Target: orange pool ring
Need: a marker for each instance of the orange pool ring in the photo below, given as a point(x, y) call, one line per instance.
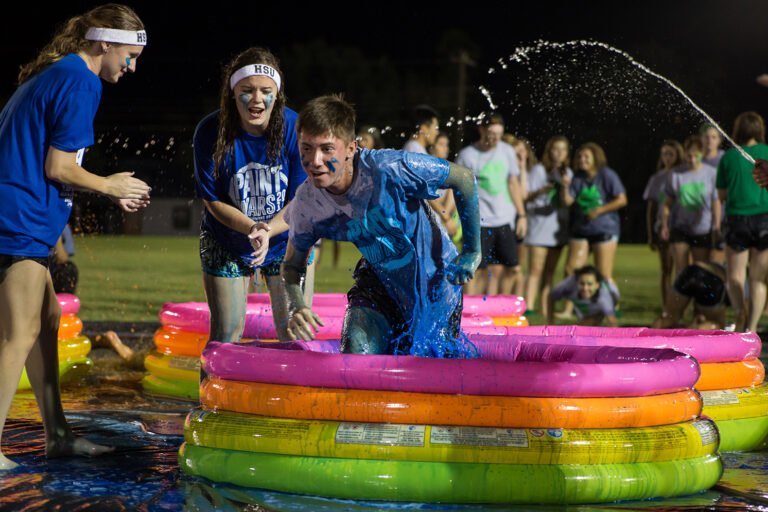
point(174, 341)
point(739, 374)
point(510, 321)
point(70, 326)
point(470, 410)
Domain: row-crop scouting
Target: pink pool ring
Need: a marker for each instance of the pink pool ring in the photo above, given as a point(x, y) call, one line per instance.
point(526, 370)
point(318, 299)
point(495, 305)
point(70, 304)
point(195, 316)
point(706, 346)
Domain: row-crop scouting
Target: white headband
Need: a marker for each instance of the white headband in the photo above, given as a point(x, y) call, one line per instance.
point(255, 70)
point(114, 35)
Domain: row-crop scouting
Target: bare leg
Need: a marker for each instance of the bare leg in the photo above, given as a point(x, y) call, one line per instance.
point(507, 280)
point(736, 276)
point(519, 287)
point(550, 264)
point(495, 273)
point(365, 331)
point(578, 251)
point(605, 254)
point(667, 266)
point(479, 284)
point(227, 298)
point(758, 271)
point(536, 258)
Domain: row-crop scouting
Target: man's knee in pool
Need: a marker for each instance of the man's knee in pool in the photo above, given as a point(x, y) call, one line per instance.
point(365, 331)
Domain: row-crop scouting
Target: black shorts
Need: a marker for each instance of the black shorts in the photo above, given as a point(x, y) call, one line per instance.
point(6, 260)
point(369, 292)
point(678, 237)
point(705, 288)
point(498, 246)
point(747, 231)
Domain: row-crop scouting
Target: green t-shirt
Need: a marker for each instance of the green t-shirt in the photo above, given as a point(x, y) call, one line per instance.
point(734, 174)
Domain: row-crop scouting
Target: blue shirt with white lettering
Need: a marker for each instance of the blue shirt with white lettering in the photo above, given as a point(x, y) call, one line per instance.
point(249, 181)
point(54, 108)
point(384, 214)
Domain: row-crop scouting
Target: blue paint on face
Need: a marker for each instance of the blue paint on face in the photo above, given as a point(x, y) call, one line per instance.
point(305, 163)
point(128, 62)
point(245, 98)
point(269, 99)
point(330, 164)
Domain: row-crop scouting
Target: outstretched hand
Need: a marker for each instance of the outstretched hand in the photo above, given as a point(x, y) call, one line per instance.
point(760, 172)
point(304, 324)
point(462, 269)
point(131, 205)
point(259, 238)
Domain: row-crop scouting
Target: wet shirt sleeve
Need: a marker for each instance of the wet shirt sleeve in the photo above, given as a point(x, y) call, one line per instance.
point(300, 222)
point(422, 175)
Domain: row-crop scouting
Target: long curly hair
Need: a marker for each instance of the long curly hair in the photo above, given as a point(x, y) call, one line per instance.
point(70, 38)
point(229, 119)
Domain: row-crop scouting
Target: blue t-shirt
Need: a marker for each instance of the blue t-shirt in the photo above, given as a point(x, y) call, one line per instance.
point(249, 182)
point(589, 194)
point(384, 215)
point(54, 108)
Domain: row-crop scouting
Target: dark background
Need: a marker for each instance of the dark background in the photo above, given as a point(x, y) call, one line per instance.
point(388, 57)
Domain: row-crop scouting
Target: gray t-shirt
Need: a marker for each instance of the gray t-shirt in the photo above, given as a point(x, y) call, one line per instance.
point(714, 160)
point(692, 193)
point(654, 191)
point(493, 169)
point(547, 216)
point(604, 303)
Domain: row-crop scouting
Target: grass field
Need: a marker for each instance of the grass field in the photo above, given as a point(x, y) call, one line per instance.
point(125, 278)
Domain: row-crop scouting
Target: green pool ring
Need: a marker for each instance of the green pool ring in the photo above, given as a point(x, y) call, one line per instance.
point(431, 482)
point(184, 390)
point(743, 435)
point(70, 371)
point(427, 443)
point(173, 368)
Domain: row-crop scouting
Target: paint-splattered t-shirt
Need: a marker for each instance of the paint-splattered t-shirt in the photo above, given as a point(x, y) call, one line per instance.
point(692, 193)
point(589, 194)
point(250, 182)
point(384, 214)
point(493, 169)
point(604, 303)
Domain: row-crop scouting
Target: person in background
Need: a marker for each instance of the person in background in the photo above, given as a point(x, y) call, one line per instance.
point(594, 297)
point(63, 270)
point(445, 205)
point(595, 195)
point(525, 160)
point(547, 219)
point(746, 224)
point(670, 157)
point(426, 122)
point(502, 211)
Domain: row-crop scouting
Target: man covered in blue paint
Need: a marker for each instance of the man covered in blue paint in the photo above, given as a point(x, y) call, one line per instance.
point(407, 293)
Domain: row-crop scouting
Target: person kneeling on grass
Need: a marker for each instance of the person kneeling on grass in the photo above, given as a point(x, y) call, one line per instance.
point(594, 298)
point(704, 283)
point(407, 293)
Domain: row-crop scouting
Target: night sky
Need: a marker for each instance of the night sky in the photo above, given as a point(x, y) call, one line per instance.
point(387, 58)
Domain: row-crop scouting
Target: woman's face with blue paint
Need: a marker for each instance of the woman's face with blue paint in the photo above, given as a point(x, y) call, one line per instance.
point(118, 60)
point(255, 98)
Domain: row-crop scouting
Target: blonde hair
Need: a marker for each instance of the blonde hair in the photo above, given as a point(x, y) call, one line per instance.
point(70, 38)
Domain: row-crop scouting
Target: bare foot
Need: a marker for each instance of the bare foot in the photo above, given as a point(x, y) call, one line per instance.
point(125, 352)
point(6, 463)
point(75, 446)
